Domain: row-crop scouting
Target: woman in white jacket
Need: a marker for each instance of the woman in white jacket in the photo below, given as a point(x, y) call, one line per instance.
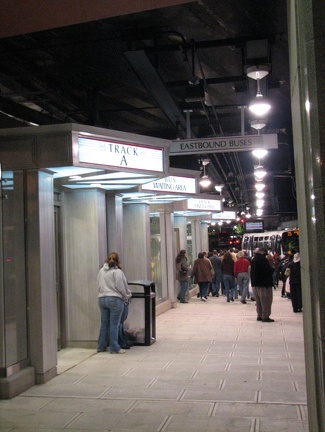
point(113, 292)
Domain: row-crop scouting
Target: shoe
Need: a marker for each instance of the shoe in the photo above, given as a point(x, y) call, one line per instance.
point(213, 294)
point(217, 295)
point(232, 299)
point(252, 298)
point(178, 298)
point(203, 299)
point(258, 319)
point(244, 301)
point(101, 350)
point(126, 347)
point(122, 351)
point(198, 295)
point(228, 301)
point(184, 302)
point(267, 320)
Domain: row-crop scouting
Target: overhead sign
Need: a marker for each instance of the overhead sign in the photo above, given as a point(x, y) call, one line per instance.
point(203, 204)
point(225, 215)
point(172, 184)
point(120, 154)
point(223, 144)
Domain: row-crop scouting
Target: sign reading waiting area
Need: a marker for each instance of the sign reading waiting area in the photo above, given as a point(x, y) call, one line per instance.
point(223, 144)
point(172, 184)
point(120, 154)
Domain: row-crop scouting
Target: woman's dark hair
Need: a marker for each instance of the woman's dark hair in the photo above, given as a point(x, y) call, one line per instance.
point(180, 255)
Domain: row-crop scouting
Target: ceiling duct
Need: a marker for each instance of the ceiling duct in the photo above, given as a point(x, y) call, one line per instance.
point(152, 82)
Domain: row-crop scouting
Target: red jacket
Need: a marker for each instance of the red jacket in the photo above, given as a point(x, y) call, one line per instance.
point(241, 266)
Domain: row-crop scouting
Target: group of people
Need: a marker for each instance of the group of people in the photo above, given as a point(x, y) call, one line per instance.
point(233, 272)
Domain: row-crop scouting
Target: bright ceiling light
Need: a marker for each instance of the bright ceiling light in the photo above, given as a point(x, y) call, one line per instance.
point(259, 173)
point(259, 212)
point(205, 181)
point(259, 153)
point(259, 105)
point(260, 195)
point(259, 186)
point(258, 72)
point(258, 124)
point(259, 203)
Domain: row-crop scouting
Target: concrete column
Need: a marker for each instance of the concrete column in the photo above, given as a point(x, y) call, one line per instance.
point(204, 236)
point(115, 224)
point(41, 275)
point(181, 224)
point(84, 249)
point(136, 242)
point(307, 71)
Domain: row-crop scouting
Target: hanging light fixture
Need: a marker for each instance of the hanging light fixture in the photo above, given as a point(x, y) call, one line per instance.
point(260, 195)
point(259, 105)
point(259, 186)
point(260, 153)
point(258, 124)
point(205, 181)
point(259, 172)
point(259, 203)
point(259, 212)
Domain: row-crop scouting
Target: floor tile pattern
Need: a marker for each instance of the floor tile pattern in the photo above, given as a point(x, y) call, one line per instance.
point(213, 368)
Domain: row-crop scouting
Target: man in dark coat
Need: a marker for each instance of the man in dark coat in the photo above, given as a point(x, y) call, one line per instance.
point(262, 282)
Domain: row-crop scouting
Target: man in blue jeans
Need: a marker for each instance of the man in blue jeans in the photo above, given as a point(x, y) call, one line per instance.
point(216, 279)
point(241, 271)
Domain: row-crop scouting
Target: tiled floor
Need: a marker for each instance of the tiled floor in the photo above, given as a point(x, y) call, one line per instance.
point(214, 368)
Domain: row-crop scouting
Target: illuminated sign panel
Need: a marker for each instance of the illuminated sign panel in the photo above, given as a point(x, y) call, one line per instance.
point(203, 204)
point(224, 144)
point(225, 215)
point(172, 184)
point(120, 154)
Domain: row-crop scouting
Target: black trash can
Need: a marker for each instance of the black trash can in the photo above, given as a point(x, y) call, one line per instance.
point(140, 325)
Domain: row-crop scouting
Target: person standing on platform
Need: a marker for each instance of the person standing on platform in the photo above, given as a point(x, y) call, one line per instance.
point(241, 272)
point(295, 284)
point(182, 270)
point(228, 277)
point(216, 278)
point(202, 274)
point(113, 293)
point(262, 282)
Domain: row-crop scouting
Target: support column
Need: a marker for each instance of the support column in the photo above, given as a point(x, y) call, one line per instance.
point(41, 275)
point(115, 224)
point(136, 242)
point(307, 71)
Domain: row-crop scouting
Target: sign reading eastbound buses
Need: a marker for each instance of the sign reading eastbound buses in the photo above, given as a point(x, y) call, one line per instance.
point(223, 144)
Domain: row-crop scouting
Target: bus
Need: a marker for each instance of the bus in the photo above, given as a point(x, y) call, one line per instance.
point(281, 242)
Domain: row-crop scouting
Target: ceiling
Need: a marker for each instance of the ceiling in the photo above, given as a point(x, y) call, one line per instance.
point(149, 72)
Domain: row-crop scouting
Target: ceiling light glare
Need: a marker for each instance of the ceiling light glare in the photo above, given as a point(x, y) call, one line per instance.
point(260, 195)
point(259, 186)
point(259, 173)
point(259, 212)
point(259, 105)
point(259, 153)
point(205, 181)
point(248, 216)
point(218, 188)
point(259, 203)
point(258, 124)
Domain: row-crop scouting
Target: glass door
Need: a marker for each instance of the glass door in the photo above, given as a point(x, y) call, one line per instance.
point(14, 295)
